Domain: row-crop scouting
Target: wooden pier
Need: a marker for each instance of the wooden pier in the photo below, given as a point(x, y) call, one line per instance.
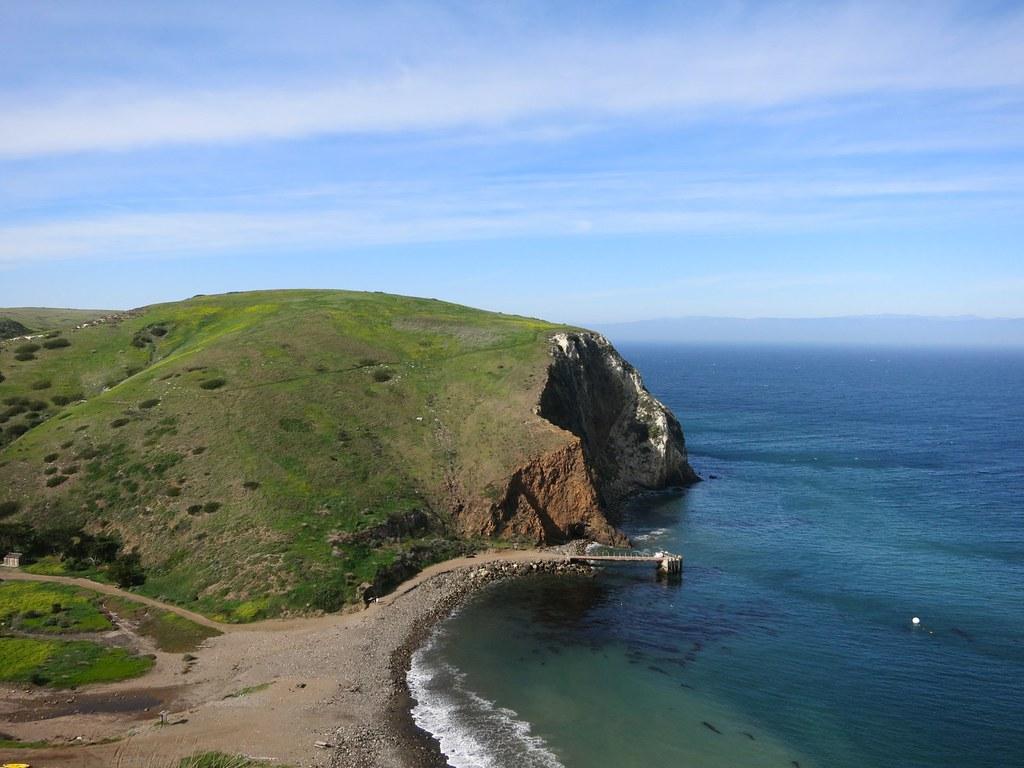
point(666, 562)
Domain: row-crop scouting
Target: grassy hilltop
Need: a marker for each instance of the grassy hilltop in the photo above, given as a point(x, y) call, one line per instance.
point(266, 451)
point(21, 320)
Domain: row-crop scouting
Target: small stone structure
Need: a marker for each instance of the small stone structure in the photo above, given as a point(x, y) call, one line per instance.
point(12, 560)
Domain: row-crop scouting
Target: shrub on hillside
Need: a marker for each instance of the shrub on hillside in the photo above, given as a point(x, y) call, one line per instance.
point(250, 485)
point(158, 330)
point(151, 403)
point(17, 430)
point(211, 506)
point(8, 508)
point(27, 348)
point(127, 570)
point(380, 375)
point(24, 356)
point(289, 424)
point(51, 457)
point(77, 548)
point(55, 480)
point(41, 384)
point(2, 377)
point(51, 470)
point(328, 597)
point(195, 509)
point(58, 343)
point(37, 405)
point(74, 397)
point(212, 383)
point(118, 423)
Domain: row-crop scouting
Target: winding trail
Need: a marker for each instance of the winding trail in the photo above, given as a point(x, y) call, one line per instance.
point(303, 622)
point(270, 689)
point(108, 589)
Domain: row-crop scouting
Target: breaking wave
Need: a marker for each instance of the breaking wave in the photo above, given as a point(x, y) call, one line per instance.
point(657, 533)
point(473, 732)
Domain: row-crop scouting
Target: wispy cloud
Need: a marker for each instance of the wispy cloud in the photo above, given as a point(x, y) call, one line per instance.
point(768, 143)
point(341, 216)
point(712, 64)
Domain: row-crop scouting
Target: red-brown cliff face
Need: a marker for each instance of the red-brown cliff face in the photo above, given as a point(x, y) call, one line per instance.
point(618, 440)
point(553, 498)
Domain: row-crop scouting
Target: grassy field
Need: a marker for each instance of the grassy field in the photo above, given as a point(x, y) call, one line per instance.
point(66, 663)
point(49, 609)
point(41, 319)
point(33, 615)
point(170, 632)
point(54, 566)
point(40, 608)
point(250, 444)
point(6, 743)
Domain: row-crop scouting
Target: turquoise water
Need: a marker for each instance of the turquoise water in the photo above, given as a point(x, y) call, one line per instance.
point(853, 490)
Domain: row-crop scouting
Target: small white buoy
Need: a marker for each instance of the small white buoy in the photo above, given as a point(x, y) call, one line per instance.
point(915, 621)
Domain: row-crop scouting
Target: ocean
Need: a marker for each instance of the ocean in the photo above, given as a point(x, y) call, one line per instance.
point(846, 491)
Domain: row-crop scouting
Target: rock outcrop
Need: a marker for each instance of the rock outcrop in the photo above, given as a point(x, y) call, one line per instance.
point(554, 498)
point(620, 440)
point(631, 441)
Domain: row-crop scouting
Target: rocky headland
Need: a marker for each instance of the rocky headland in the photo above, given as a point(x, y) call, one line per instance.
point(617, 439)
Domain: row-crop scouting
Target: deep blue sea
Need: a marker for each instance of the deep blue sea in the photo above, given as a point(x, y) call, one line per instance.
point(846, 491)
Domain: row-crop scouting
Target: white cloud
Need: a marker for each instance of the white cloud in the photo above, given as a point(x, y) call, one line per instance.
point(759, 61)
point(582, 205)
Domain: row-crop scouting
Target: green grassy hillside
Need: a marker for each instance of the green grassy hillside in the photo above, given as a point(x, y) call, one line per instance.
point(41, 319)
point(268, 451)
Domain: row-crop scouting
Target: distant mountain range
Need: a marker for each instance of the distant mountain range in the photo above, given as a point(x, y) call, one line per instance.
point(888, 330)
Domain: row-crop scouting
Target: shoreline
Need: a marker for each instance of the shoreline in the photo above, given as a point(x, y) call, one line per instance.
point(323, 692)
point(421, 749)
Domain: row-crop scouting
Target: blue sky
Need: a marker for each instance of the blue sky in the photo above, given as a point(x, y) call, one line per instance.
point(587, 162)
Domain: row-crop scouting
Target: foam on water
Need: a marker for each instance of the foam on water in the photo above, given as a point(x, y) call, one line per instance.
point(654, 535)
point(472, 731)
point(843, 497)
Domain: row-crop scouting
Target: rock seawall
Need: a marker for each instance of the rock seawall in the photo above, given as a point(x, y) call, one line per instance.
point(620, 440)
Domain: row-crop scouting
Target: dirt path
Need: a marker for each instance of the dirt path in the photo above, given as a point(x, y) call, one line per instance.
point(268, 689)
point(108, 589)
point(281, 625)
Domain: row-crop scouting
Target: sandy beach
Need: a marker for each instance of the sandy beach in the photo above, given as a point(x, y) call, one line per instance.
point(319, 691)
